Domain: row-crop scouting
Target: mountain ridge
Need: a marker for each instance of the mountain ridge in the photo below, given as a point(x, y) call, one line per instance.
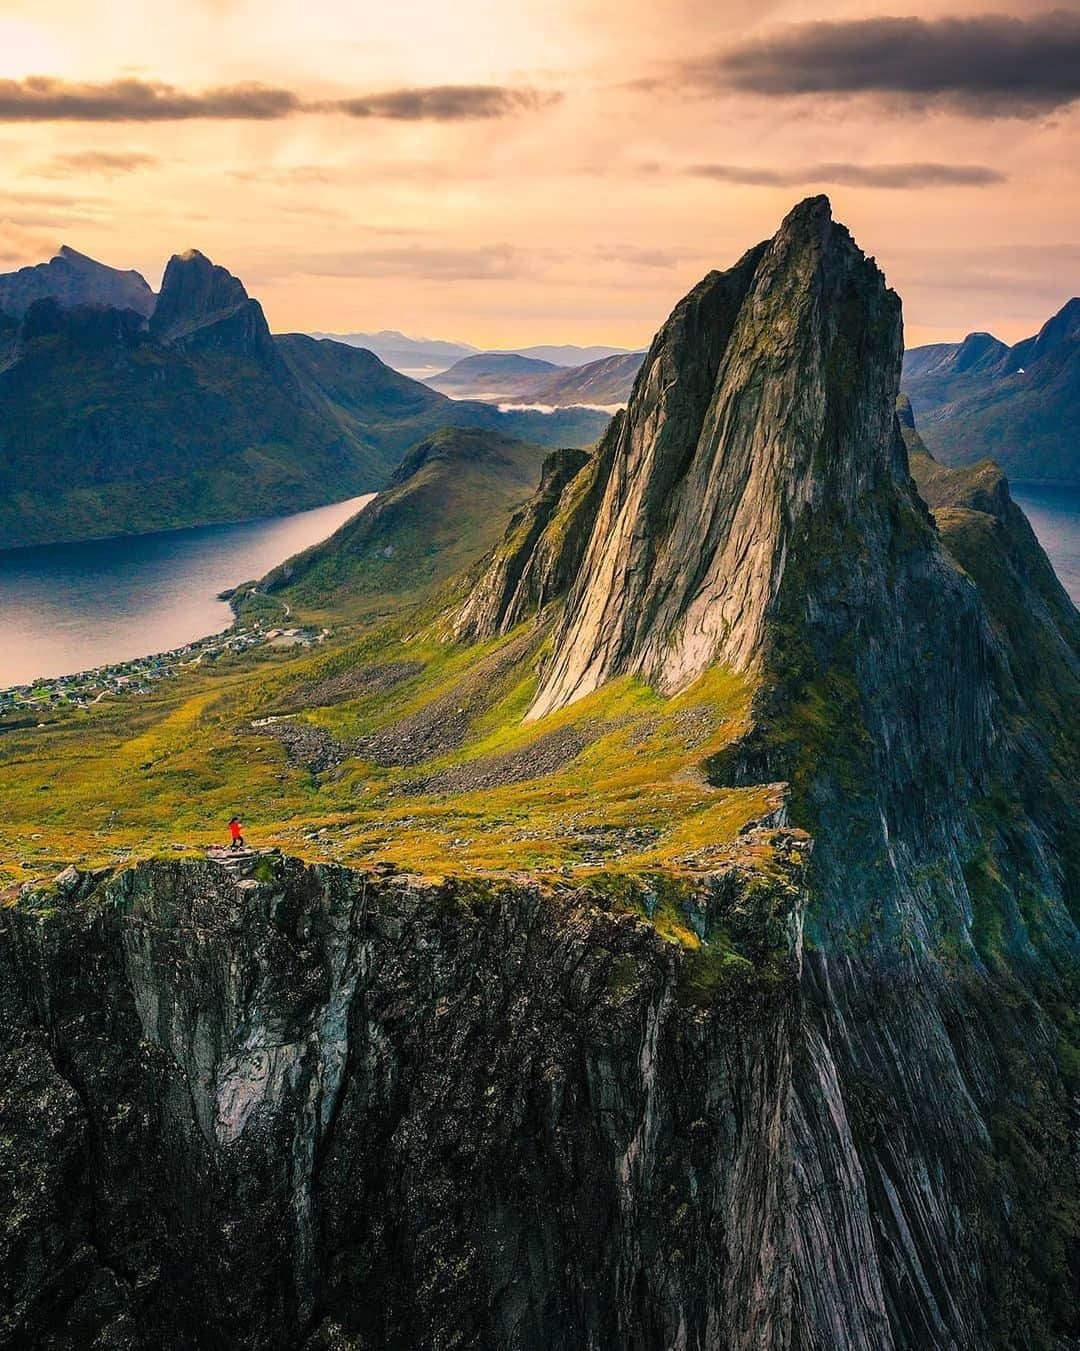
point(197, 413)
point(74, 278)
point(981, 398)
point(506, 376)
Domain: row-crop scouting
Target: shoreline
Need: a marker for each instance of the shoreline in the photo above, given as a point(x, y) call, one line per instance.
point(13, 549)
point(216, 623)
point(134, 677)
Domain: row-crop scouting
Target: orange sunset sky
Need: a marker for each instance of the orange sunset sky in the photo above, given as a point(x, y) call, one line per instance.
point(545, 170)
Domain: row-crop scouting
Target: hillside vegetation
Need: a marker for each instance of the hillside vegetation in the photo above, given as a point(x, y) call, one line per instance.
point(113, 423)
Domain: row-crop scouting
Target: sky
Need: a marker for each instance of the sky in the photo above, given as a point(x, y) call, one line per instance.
point(546, 170)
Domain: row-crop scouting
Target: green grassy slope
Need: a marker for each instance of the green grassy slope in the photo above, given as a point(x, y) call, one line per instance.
point(391, 741)
point(448, 501)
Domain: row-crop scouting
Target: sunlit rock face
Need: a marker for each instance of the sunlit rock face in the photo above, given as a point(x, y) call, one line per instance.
point(768, 394)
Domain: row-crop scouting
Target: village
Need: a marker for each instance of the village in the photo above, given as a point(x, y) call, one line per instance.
point(137, 676)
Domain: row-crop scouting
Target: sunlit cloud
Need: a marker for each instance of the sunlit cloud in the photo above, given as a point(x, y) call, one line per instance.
point(412, 165)
point(432, 263)
point(104, 163)
point(445, 103)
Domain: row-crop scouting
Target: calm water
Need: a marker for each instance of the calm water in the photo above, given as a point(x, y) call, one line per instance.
point(70, 607)
point(1054, 514)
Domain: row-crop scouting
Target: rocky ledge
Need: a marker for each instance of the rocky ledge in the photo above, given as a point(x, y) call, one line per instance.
point(291, 1105)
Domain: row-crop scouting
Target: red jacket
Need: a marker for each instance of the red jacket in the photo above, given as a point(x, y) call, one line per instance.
point(234, 829)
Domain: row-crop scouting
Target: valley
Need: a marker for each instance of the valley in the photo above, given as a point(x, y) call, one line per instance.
point(196, 413)
point(673, 935)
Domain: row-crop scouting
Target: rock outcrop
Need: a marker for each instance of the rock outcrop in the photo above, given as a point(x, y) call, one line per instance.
point(203, 306)
point(540, 553)
point(314, 1108)
point(766, 396)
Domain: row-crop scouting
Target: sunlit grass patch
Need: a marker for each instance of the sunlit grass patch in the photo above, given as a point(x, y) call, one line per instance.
point(167, 772)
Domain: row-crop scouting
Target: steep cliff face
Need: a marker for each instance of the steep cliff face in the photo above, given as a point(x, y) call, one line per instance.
point(764, 397)
point(320, 1108)
point(540, 553)
point(918, 683)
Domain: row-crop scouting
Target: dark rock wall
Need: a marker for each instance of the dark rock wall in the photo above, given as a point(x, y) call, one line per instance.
point(919, 692)
point(329, 1110)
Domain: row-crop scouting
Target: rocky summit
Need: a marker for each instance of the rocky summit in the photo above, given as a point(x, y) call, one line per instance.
point(72, 279)
point(767, 396)
point(689, 955)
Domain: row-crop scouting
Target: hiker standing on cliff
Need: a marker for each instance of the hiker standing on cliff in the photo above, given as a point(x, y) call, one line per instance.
point(236, 831)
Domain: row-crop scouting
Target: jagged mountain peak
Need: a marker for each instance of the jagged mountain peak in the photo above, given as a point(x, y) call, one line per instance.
point(71, 255)
point(194, 291)
point(1059, 330)
point(769, 392)
point(71, 278)
point(979, 352)
point(204, 304)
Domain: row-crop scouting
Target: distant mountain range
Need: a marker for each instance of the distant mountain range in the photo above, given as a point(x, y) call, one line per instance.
point(510, 377)
point(408, 355)
point(1019, 405)
point(487, 375)
point(602, 383)
point(430, 356)
point(122, 411)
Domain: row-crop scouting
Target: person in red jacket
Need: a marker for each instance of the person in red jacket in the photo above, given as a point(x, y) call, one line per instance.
point(236, 831)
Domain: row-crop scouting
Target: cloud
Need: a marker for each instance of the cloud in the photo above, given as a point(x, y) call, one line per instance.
point(103, 162)
point(634, 256)
point(430, 263)
point(40, 98)
point(913, 175)
point(21, 246)
point(988, 64)
point(52, 209)
point(445, 103)
point(285, 176)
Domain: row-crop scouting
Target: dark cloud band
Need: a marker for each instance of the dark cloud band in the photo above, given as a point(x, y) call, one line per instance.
point(988, 64)
point(43, 99)
point(915, 175)
point(445, 103)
